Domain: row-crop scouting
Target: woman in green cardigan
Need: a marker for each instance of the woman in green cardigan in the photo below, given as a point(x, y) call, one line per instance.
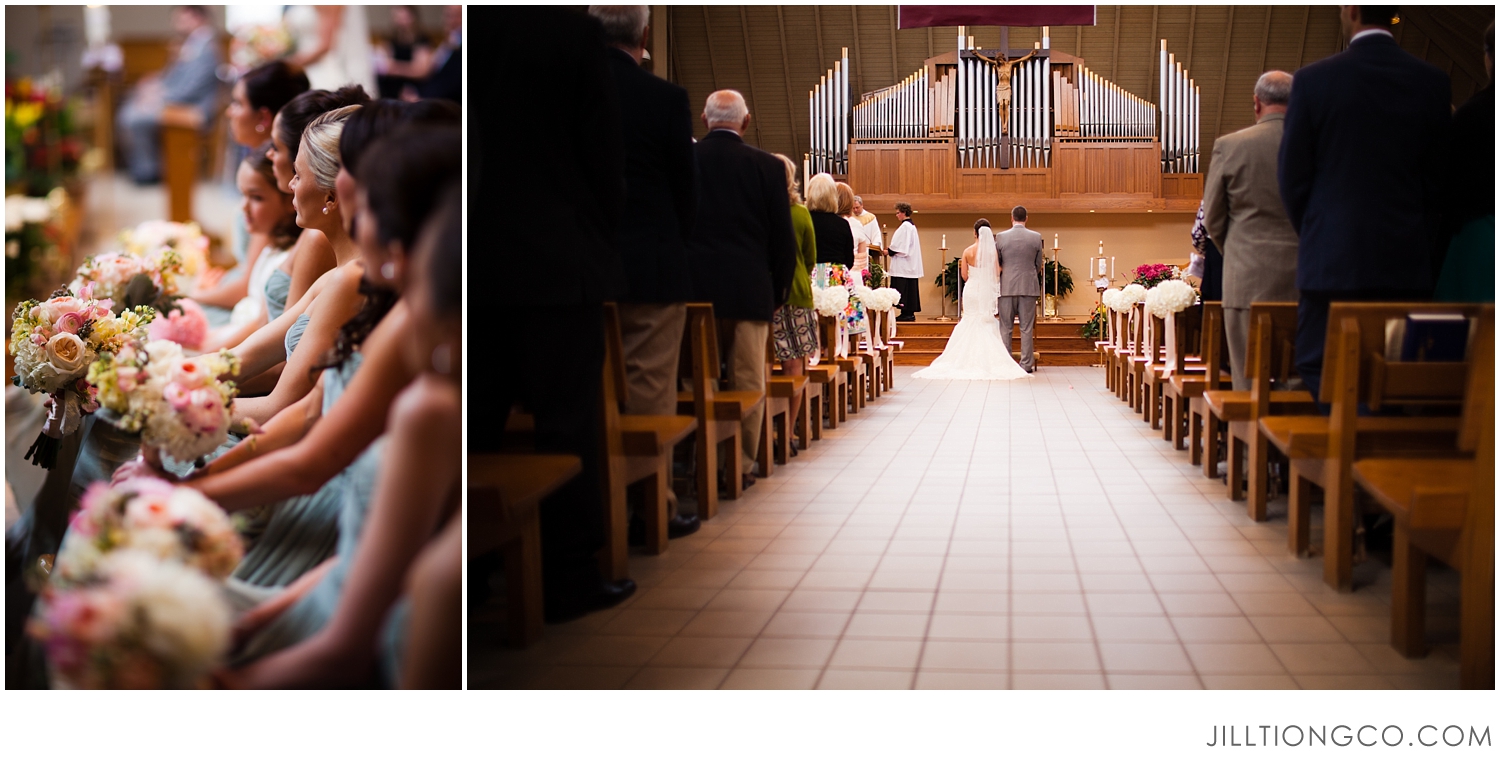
point(796, 326)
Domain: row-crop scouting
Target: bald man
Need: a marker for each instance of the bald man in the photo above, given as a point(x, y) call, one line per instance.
point(1243, 213)
point(742, 251)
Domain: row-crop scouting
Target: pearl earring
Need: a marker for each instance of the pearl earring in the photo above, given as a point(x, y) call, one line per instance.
point(260, 128)
point(325, 209)
point(388, 270)
point(442, 359)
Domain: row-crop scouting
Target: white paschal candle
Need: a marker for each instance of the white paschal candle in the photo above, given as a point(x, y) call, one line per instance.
point(945, 242)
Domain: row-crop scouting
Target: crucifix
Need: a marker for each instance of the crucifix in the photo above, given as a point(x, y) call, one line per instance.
point(1003, 64)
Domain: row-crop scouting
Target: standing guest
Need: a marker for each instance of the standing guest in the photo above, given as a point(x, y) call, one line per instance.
point(191, 80)
point(742, 248)
point(333, 45)
point(1212, 286)
point(795, 331)
point(446, 79)
point(906, 263)
point(1469, 269)
point(660, 202)
point(857, 323)
point(556, 273)
point(1020, 251)
point(1245, 218)
point(1362, 173)
point(871, 228)
point(835, 241)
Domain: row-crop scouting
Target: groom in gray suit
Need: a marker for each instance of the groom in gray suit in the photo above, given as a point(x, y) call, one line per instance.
point(1020, 251)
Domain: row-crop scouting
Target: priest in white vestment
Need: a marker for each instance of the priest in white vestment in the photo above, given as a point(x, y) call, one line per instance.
point(906, 264)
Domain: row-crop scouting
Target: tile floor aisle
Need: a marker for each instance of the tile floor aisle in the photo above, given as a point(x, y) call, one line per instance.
point(983, 535)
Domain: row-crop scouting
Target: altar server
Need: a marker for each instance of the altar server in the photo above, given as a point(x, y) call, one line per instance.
point(906, 263)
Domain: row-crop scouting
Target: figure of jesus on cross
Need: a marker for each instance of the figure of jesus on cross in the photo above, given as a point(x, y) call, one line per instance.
point(1002, 66)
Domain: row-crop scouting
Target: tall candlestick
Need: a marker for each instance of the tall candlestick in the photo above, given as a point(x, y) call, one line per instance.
point(945, 242)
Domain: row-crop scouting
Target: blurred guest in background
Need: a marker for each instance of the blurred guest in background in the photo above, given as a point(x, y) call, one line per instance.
point(191, 80)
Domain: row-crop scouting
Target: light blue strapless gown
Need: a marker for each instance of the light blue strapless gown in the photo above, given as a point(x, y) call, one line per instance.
point(311, 613)
point(292, 536)
point(278, 287)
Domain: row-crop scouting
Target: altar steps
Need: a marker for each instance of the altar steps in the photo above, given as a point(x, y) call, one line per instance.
point(1058, 343)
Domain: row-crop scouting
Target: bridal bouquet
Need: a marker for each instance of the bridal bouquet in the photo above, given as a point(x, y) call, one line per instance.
point(130, 279)
point(187, 240)
point(177, 403)
point(54, 343)
point(136, 621)
point(170, 522)
point(1170, 297)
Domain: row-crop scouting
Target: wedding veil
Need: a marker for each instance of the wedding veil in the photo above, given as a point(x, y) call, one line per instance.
point(987, 257)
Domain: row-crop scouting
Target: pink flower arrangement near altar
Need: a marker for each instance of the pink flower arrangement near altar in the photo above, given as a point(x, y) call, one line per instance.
point(1149, 275)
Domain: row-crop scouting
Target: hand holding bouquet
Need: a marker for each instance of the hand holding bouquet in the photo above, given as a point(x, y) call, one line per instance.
point(177, 403)
point(54, 343)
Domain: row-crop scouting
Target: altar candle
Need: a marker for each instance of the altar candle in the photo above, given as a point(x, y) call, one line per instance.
point(1054, 242)
point(945, 241)
point(1112, 271)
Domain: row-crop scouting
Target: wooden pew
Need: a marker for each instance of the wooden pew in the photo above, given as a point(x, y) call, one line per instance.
point(1268, 362)
point(1203, 425)
point(1445, 509)
point(719, 413)
point(1187, 340)
point(1322, 449)
point(1175, 332)
point(504, 491)
point(852, 368)
point(784, 399)
point(1133, 365)
point(181, 156)
point(638, 450)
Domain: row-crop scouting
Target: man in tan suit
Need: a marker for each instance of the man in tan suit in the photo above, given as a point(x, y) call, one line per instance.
point(1246, 219)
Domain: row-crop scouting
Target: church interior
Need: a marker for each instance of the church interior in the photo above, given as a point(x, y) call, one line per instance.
point(1169, 500)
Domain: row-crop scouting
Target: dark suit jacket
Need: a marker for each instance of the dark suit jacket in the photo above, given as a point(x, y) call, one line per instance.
point(660, 195)
point(1474, 160)
point(834, 238)
point(1361, 168)
point(742, 248)
point(549, 202)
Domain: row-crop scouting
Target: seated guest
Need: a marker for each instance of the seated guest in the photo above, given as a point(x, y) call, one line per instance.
point(742, 251)
point(332, 624)
point(1468, 274)
point(253, 103)
point(191, 80)
point(1245, 218)
point(1362, 169)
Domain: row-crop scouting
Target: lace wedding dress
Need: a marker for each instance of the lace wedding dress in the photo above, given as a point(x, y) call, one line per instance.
point(977, 350)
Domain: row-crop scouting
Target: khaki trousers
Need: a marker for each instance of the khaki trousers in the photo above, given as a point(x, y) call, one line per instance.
point(651, 341)
point(1237, 335)
point(743, 345)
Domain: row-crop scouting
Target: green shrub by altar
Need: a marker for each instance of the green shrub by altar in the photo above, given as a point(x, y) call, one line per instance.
point(1093, 329)
point(1059, 283)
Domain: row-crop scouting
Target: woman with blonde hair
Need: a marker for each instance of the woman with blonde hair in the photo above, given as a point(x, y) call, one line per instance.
point(795, 325)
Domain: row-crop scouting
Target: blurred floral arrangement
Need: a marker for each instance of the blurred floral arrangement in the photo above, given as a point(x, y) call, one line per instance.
point(1149, 275)
point(252, 46)
point(1093, 329)
point(33, 239)
point(42, 147)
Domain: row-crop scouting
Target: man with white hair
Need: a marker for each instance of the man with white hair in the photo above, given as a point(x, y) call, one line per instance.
point(660, 203)
point(742, 250)
point(1245, 218)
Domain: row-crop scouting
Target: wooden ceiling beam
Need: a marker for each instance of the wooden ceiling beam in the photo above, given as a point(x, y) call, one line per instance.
point(1224, 70)
point(786, 77)
point(1114, 58)
point(1265, 41)
point(859, 63)
point(1427, 26)
point(750, 85)
point(895, 74)
point(1302, 41)
point(708, 37)
point(1152, 57)
point(1187, 63)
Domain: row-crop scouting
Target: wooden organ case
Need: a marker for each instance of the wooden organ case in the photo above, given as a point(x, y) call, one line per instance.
point(944, 139)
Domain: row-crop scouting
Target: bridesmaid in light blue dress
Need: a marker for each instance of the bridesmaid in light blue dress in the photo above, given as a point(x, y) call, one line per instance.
point(341, 621)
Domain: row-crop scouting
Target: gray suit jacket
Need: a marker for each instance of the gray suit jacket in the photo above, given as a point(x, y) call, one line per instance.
point(1020, 252)
point(1245, 217)
point(193, 78)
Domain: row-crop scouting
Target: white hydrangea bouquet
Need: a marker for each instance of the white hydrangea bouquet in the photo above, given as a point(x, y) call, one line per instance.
point(1111, 299)
point(176, 402)
point(136, 621)
point(54, 342)
point(831, 301)
point(1169, 297)
point(171, 522)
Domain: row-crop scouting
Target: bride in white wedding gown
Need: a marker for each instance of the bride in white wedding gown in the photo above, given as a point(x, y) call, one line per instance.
point(977, 350)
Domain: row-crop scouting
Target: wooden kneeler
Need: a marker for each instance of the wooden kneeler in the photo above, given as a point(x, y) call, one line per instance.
point(504, 491)
point(784, 399)
point(638, 450)
point(1445, 509)
point(719, 413)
